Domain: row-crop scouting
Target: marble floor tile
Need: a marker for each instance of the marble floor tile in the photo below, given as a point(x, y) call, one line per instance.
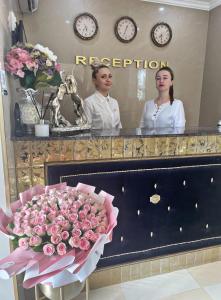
point(159, 287)
point(112, 292)
point(197, 283)
point(207, 274)
point(214, 291)
point(197, 294)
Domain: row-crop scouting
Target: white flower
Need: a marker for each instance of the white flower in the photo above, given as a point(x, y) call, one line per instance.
point(48, 63)
point(46, 51)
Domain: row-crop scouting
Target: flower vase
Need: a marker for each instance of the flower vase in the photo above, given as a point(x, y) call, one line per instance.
point(29, 115)
point(66, 292)
point(42, 129)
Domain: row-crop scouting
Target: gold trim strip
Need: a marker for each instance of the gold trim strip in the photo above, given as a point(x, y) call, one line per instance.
point(165, 246)
point(137, 170)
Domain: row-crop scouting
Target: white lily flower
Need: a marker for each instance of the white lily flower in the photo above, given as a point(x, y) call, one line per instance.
point(46, 51)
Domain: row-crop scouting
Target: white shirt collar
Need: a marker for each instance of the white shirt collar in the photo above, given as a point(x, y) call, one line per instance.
point(162, 105)
point(101, 97)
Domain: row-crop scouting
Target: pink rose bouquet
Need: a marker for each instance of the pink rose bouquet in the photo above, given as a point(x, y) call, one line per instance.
point(62, 226)
point(35, 66)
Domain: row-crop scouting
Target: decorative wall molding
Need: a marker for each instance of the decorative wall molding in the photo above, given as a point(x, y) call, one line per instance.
point(195, 4)
point(214, 3)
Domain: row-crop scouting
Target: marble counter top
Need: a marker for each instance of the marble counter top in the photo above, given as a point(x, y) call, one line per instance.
point(127, 133)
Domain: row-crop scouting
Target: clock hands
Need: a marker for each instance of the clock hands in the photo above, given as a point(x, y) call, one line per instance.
point(85, 28)
point(125, 30)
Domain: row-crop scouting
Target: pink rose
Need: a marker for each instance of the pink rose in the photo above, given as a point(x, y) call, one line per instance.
point(95, 237)
point(18, 231)
point(82, 215)
point(74, 242)
point(77, 225)
point(52, 215)
point(39, 230)
point(87, 207)
point(40, 219)
point(65, 212)
point(34, 221)
point(90, 216)
point(103, 213)
point(73, 217)
point(74, 209)
point(35, 241)
point(58, 67)
point(56, 239)
point(48, 249)
point(59, 219)
point(17, 224)
point(23, 243)
point(28, 230)
point(54, 229)
point(27, 212)
point(100, 229)
point(65, 225)
point(84, 244)
point(94, 209)
point(65, 235)
point(86, 225)
point(31, 65)
point(61, 249)
point(94, 222)
point(89, 235)
point(76, 232)
point(78, 203)
point(104, 223)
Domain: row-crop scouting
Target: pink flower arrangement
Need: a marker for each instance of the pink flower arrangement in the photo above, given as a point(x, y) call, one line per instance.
point(59, 220)
point(34, 65)
point(59, 233)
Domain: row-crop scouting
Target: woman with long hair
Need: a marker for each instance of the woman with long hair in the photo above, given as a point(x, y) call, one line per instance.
point(164, 110)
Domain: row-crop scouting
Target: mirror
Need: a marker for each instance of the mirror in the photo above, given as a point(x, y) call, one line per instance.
point(132, 83)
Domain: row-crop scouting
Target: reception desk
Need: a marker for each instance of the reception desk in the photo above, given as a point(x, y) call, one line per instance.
point(166, 183)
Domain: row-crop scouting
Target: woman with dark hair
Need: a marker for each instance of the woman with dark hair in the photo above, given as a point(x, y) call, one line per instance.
point(164, 111)
point(102, 111)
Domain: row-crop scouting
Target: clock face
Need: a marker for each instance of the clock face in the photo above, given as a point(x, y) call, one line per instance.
point(125, 29)
point(161, 34)
point(85, 26)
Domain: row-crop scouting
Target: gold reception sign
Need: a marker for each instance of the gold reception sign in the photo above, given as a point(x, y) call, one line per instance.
point(121, 62)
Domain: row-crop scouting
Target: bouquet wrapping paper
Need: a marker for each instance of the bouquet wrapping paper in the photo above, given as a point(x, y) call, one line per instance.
point(74, 264)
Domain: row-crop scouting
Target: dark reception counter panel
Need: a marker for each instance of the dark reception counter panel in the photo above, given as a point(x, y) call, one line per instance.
point(165, 205)
point(133, 165)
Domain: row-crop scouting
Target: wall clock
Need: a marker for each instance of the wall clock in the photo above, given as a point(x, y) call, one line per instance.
point(85, 26)
point(125, 29)
point(161, 34)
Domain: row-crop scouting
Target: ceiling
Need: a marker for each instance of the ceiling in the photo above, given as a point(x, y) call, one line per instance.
point(197, 4)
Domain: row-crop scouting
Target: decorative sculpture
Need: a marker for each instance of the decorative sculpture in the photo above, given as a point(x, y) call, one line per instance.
point(59, 123)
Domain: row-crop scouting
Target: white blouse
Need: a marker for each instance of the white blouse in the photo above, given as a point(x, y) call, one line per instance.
point(102, 112)
point(165, 115)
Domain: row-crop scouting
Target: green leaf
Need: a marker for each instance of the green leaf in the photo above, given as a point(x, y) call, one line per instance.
point(11, 225)
point(28, 81)
point(15, 243)
point(37, 248)
point(42, 80)
point(56, 79)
